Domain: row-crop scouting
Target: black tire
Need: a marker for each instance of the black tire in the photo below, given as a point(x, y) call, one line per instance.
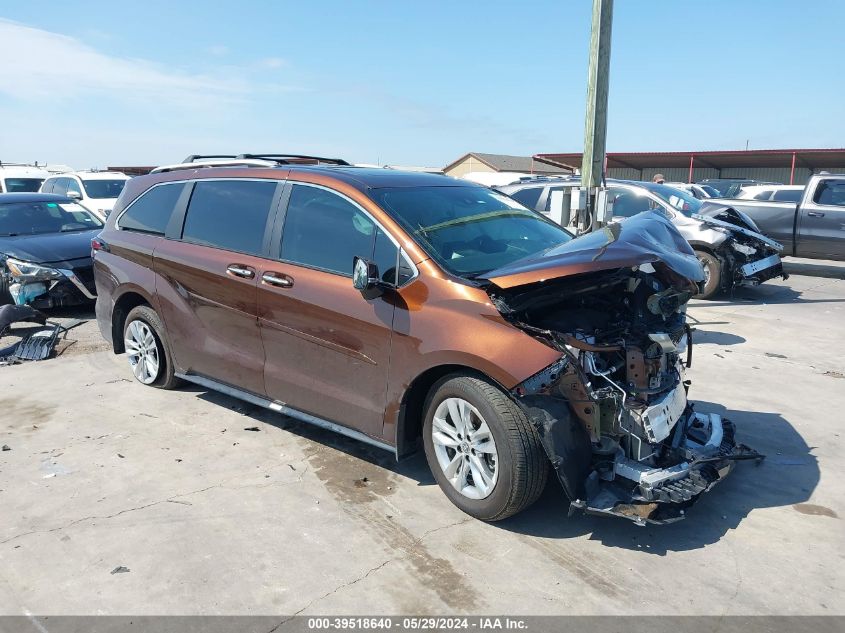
point(521, 462)
point(5, 296)
point(164, 378)
point(713, 274)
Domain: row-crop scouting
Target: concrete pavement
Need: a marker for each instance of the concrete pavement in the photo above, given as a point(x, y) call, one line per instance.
point(211, 518)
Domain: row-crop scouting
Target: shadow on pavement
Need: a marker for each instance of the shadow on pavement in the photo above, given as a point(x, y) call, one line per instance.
point(787, 476)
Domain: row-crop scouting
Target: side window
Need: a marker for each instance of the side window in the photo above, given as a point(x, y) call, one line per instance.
point(788, 195)
point(151, 212)
point(47, 187)
point(830, 192)
point(74, 185)
point(627, 203)
point(528, 196)
point(763, 195)
point(60, 186)
point(324, 230)
point(386, 255)
point(229, 214)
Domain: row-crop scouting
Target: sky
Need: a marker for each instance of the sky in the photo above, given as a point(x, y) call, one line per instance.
point(91, 84)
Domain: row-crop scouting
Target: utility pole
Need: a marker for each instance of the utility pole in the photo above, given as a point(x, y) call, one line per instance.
point(595, 129)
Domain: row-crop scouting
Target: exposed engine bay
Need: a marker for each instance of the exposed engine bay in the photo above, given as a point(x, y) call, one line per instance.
point(613, 411)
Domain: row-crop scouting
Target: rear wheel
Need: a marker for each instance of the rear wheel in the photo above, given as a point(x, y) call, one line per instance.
point(712, 274)
point(481, 448)
point(147, 350)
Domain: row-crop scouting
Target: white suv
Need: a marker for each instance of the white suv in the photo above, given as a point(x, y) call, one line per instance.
point(97, 191)
point(15, 178)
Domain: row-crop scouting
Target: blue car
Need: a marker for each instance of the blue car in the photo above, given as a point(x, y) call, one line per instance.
point(45, 250)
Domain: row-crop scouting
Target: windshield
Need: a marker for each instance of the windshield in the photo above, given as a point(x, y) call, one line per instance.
point(469, 230)
point(103, 188)
point(32, 218)
point(22, 185)
point(680, 199)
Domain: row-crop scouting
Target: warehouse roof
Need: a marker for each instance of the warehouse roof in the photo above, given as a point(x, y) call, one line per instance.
point(809, 158)
point(506, 162)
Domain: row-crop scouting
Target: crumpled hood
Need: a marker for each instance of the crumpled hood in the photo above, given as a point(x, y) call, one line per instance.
point(49, 248)
point(645, 238)
point(735, 220)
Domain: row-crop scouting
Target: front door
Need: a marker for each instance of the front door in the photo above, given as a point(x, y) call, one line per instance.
point(821, 227)
point(207, 281)
point(327, 347)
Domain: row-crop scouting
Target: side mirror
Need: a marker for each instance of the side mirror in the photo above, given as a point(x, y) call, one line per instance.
point(74, 194)
point(365, 277)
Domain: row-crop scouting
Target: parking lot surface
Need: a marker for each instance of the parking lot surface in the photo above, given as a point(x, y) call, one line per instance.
point(119, 499)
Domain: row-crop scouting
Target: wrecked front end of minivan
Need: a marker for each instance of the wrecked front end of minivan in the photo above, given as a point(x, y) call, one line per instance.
point(612, 411)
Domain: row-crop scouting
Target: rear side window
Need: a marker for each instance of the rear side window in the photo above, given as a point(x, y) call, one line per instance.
point(788, 195)
point(324, 230)
point(528, 197)
point(151, 212)
point(229, 214)
point(763, 195)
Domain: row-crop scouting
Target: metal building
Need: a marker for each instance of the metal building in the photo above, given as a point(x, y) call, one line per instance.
point(787, 166)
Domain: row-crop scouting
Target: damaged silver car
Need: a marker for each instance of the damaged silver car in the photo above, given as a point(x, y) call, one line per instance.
point(729, 246)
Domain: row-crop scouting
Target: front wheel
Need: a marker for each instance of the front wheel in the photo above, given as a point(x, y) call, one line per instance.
point(712, 274)
point(483, 451)
point(147, 350)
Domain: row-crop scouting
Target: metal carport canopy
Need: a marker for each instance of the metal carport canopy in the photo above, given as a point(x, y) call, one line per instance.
point(720, 159)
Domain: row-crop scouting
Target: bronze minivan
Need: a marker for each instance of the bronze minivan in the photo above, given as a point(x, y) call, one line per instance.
point(411, 308)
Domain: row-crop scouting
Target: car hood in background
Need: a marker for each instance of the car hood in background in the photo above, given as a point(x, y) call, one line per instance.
point(645, 238)
point(49, 248)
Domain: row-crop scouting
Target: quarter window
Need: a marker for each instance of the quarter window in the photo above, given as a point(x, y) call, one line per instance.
point(151, 212)
point(528, 196)
point(229, 214)
point(788, 195)
point(324, 230)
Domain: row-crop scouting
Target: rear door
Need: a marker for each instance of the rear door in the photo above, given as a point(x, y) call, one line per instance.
point(327, 347)
point(207, 276)
point(821, 225)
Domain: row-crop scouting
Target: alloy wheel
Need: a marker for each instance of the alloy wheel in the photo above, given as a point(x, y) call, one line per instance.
point(142, 351)
point(464, 447)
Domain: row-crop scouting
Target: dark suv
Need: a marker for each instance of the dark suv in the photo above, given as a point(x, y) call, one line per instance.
point(405, 308)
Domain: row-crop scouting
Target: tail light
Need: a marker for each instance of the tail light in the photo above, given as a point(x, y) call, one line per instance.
point(98, 244)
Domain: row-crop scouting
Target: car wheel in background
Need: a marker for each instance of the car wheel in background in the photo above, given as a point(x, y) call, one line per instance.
point(481, 448)
point(147, 350)
point(712, 274)
point(5, 297)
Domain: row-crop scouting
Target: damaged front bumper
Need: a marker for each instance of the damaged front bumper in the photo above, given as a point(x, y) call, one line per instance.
point(644, 494)
point(67, 289)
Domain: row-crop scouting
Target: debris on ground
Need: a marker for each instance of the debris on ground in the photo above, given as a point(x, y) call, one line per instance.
point(37, 345)
point(251, 428)
point(121, 456)
point(120, 570)
point(6, 447)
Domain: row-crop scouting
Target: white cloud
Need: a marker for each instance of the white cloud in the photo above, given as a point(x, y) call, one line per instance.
point(272, 62)
point(41, 62)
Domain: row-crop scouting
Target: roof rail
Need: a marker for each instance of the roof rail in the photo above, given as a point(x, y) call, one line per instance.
point(296, 159)
point(214, 163)
point(197, 161)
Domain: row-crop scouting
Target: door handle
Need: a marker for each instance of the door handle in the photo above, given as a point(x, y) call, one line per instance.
point(239, 270)
point(815, 214)
point(274, 279)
